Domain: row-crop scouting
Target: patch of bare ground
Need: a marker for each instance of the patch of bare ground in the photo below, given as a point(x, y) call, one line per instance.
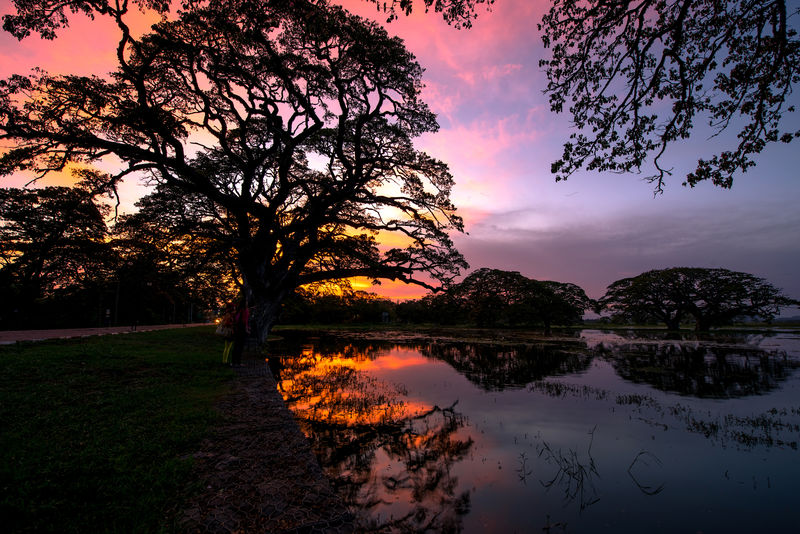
point(257, 471)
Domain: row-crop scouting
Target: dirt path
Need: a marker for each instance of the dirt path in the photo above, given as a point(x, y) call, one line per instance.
point(257, 470)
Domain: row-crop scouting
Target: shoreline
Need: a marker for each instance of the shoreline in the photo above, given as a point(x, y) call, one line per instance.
point(257, 469)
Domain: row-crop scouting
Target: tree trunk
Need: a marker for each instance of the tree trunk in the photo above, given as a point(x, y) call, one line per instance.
point(264, 315)
point(702, 321)
point(702, 325)
point(547, 328)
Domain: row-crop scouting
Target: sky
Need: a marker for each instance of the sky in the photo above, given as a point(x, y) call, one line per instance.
point(499, 138)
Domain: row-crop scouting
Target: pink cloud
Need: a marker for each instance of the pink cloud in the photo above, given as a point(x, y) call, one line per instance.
point(483, 157)
point(501, 71)
point(86, 47)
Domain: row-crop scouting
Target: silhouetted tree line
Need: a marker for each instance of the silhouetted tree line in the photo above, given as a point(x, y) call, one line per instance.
point(485, 298)
point(678, 297)
point(63, 265)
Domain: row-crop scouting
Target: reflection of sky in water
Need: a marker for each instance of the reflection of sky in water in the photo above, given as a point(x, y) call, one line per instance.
point(670, 462)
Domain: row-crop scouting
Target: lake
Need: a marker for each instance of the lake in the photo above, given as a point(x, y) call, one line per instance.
point(591, 432)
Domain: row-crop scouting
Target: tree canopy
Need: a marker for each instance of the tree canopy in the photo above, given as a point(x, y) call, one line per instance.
point(491, 297)
point(711, 297)
point(636, 76)
point(50, 239)
point(289, 123)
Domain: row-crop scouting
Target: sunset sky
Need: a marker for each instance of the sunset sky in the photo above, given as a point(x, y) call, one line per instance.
point(499, 138)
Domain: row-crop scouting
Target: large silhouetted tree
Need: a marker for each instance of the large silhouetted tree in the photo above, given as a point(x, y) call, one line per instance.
point(486, 295)
point(712, 297)
point(550, 302)
point(291, 119)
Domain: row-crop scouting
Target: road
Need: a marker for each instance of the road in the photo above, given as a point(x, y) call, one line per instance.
point(12, 336)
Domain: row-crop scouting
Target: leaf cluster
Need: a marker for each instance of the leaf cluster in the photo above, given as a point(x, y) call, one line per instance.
point(459, 13)
point(636, 76)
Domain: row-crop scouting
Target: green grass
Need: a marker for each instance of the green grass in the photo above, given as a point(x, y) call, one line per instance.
point(96, 433)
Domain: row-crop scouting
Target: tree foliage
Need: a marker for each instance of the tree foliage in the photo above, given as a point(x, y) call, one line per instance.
point(292, 121)
point(637, 75)
point(459, 13)
point(62, 266)
point(711, 297)
point(490, 297)
point(485, 296)
point(52, 240)
point(174, 233)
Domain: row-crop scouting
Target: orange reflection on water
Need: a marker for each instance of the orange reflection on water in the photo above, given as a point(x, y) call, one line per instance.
point(389, 453)
point(342, 388)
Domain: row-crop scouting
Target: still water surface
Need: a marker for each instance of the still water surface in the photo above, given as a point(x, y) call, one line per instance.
point(599, 433)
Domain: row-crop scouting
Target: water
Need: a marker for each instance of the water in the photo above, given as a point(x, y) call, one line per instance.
point(604, 432)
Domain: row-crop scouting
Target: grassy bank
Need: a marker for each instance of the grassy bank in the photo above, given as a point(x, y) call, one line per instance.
point(95, 433)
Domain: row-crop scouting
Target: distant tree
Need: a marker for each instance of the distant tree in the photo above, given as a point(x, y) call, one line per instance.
point(312, 305)
point(486, 295)
point(52, 240)
point(550, 303)
point(636, 76)
point(712, 297)
point(178, 234)
point(292, 119)
point(437, 308)
point(490, 297)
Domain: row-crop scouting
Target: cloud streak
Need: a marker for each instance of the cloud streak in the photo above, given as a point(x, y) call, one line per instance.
point(595, 253)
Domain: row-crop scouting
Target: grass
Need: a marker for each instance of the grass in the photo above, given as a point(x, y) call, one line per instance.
point(96, 434)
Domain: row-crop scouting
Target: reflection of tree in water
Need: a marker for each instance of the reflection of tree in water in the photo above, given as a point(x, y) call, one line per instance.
point(496, 367)
point(575, 475)
point(389, 459)
point(702, 371)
